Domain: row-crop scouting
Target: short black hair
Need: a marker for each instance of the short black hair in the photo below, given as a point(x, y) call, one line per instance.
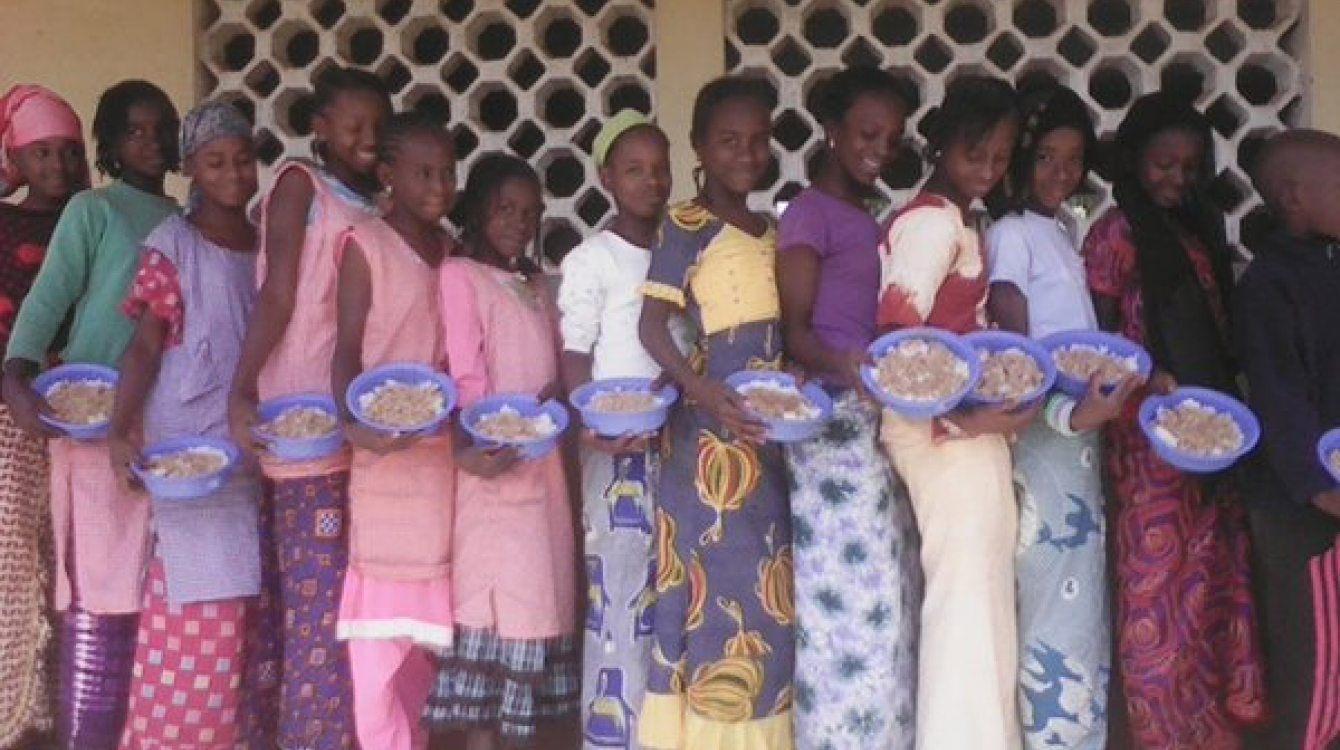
point(330, 83)
point(111, 120)
point(405, 124)
point(840, 92)
point(722, 90)
point(973, 106)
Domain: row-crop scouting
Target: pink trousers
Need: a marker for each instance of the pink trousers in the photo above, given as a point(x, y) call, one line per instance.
point(392, 679)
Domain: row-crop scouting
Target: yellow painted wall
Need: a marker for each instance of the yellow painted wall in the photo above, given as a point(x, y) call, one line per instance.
point(1323, 29)
point(690, 51)
point(79, 47)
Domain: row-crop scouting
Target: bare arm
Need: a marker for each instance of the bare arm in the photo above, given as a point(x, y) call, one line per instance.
point(353, 299)
point(721, 401)
point(139, 371)
point(1008, 307)
point(285, 228)
point(576, 370)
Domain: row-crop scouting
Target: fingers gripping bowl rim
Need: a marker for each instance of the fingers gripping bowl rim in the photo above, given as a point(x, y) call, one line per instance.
point(528, 406)
point(788, 430)
point(913, 408)
point(620, 424)
point(73, 373)
point(1119, 346)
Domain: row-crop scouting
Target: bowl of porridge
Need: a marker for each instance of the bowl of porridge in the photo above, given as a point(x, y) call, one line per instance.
point(1199, 430)
point(1080, 355)
point(402, 399)
point(517, 420)
point(1328, 452)
point(791, 413)
point(186, 468)
point(1015, 368)
point(302, 427)
point(80, 397)
point(921, 372)
point(614, 407)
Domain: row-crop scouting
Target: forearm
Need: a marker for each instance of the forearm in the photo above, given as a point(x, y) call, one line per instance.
point(576, 370)
point(138, 372)
point(804, 348)
point(654, 331)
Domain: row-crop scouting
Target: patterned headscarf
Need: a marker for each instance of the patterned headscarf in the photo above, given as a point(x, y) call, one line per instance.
point(210, 121)
point(29, 114)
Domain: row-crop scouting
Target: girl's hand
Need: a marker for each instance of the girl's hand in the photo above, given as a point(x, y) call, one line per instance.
point(617, 445)
point(729, 408)
point(1162, 382)
point(552, 389)
point(851, 371)
point(992, 419)
point(25, 404)
point(124, 452)
point(1097, 408)
point(241, 418)
point(487, 463)
point(361, 436)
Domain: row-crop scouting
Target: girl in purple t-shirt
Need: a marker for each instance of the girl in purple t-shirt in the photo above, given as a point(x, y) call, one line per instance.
point(857, 574)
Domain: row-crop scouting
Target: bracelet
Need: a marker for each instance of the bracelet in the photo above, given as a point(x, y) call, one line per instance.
point(1057, 412)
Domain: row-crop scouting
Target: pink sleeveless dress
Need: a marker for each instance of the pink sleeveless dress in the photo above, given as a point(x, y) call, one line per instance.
point(399, 580)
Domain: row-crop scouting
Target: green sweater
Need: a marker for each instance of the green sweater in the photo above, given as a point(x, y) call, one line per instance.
point(90, 262)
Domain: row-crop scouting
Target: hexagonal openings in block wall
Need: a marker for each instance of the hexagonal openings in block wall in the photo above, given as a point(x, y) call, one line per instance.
point(496, 108)
point(1036, 19)
point(1110, 17)
point(492, 37)
point(627, 35)
point(968, 22)
point(756, 26)
point(560, 36)
point(825, 27)
point(295, 44)
point(895, 25)
point(360, 43)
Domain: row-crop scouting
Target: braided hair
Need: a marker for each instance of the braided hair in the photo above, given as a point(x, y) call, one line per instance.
point(726, 89)
point(111, 121)
point(404, 125)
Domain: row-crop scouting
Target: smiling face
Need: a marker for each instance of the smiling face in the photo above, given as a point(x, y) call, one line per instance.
point(53, 168)
point(224, 171)
point(348, 128)
point(512, 217)
point(1168, 165)
point(736, 144)
point(867, 137)
point(146, 145)
point(973, 169)
point(637, 173)
point(422, 175)
point(1058, 168)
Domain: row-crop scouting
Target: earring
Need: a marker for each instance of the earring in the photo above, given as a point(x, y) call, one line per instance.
point(830, 143)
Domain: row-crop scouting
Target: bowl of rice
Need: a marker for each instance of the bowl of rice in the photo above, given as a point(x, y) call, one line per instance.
point(302, 427)
point(921, 372)
point(791, 413)
point(402, 399)
point(516, 420)
point(80, 397)
point(1328, 452)
point(1199, 430)
point(615, 407)
point(1080, 355)
point(186, 468)
point(1015, 368)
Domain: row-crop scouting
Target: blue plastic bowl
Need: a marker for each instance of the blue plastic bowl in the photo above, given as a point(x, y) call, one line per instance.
point(994, 341)
point(403, 373)
point(527, 406)
point(1329, 442)
point(1119, 346)
point(1191, 462)
point(788, 430)
point(298, 449)
point(618, 424)
point(65, 373)
point(185, 489)
point(921, 409)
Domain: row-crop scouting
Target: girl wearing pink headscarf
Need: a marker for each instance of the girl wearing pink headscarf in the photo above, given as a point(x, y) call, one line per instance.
point(42, 150)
